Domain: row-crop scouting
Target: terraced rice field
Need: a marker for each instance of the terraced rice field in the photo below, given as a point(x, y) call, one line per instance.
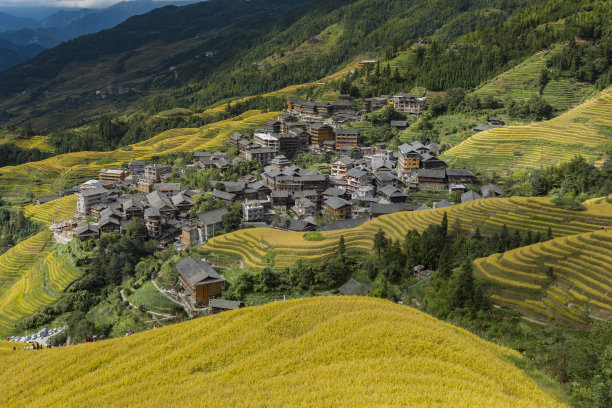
point(57, 210)
point(577, 132)
point(580, 287)
point(536, 214)
point(32, 273)
point(48, 176)
point(522, 82)
point(35, 142)
point(316, 352)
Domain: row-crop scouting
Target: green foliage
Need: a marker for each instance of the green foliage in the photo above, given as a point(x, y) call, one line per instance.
point(11, 155)
point(14, 228)
point(313, 236)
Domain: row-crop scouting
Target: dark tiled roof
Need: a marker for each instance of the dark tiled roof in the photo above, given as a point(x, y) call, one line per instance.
point(336, 203)
point(195, 271)
point(212, 217)
point(459, 172)
point(354, 288)
point(440, 174)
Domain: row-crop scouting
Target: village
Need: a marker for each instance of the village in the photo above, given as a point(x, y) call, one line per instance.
point(363, 181)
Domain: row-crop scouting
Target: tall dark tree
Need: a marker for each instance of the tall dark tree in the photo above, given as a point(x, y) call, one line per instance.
point(463, 295)
point(341, 246)
point(379, 242)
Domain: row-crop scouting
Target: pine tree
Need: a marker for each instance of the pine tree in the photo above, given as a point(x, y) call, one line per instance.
point(341, 246)
point(444, 225)
point(379, 242)
point(445, 263)
point(549, 234)
point(463, 295)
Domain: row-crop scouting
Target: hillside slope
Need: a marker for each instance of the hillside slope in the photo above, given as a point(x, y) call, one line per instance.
point(33, 273)
point(535, 214)
point(315, 352)
point(584, 130)
point(567, 278)
point(48, 176)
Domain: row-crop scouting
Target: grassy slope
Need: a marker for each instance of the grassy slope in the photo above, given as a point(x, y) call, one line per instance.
point(309, 352)
point(579, 131)
point(32, 273)
point(537, 214)
point(522, 82)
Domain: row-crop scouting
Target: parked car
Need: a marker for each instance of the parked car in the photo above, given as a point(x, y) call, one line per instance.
point(44, 332)
point(28, 337)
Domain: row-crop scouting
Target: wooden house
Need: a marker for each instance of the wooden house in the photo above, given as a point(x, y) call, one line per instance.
point(200, 281)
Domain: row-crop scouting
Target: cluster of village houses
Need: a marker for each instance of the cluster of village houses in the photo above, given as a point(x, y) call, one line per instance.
point(364, 183)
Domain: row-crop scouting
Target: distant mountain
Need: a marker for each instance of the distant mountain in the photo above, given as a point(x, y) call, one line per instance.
point(12, 54)
point(10, 22)
point(66, 25)
point(63, 18)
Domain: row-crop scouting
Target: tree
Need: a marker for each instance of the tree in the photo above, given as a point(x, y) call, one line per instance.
point(231, 220)
point(445, 264)
point(463, 295)
point(444, 225)
point(341, 246)
point(380, 242)
point(549, 234)
point(136, 228)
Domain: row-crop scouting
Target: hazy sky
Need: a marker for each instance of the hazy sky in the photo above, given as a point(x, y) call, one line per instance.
point(59, 3)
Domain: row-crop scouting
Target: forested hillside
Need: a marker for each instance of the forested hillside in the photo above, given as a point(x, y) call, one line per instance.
point(271, 44)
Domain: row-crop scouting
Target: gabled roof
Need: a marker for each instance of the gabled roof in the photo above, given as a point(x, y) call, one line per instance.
point(159, 201)
point(354, 132)
point(423, 207)
point(443, 204)
point(391, 191)
point(335, 203)
point(438, 174)
point(357, 173)
point(212, 217)
point(406, 148)
point(94, 191)
point(196, 271)
point(334, 192)
point(344, 160)
point(106, 220)
point(380, 209)
point(470, 196)
point(223, 195)
point(82, 229)
point(399, 123)
point(354, 288)
point(181, 199)
point(490, 188)
point(459, 172)
point(304, 202)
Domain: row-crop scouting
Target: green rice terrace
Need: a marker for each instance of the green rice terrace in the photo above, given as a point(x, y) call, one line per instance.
point(522, 82)
point(33, 273)
point(259, 247)
point(584, 130)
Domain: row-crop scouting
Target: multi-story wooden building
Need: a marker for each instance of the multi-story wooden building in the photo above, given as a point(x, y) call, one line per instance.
point(112, 176)
point(347, 138)
point(320, 132)
point(200, 281)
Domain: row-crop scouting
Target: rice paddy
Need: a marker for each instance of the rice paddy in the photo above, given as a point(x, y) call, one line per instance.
point(580, 131)
point(33, 273)
point(46, 177)
point(326, 351)
point(567, 278)
point(536, 214)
